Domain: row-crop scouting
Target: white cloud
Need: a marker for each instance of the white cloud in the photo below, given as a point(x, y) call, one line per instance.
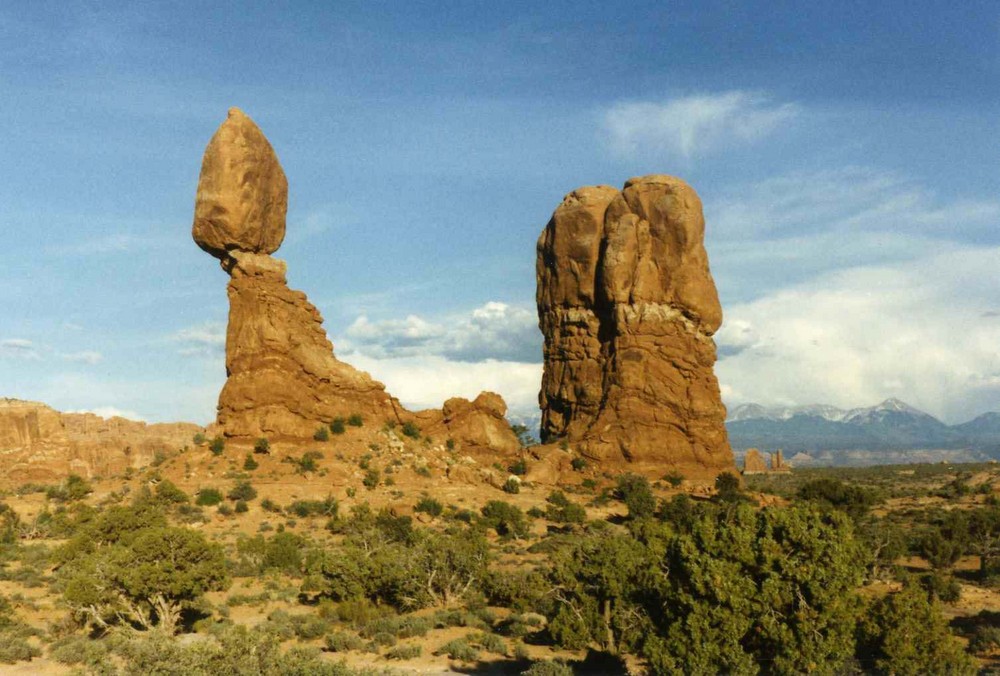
point(18, 348)
point(494, 331)
point(85, 357)
point(427, 381)
point(697, 124)
point(108, 412)
point(925, 331)
point(205, 340)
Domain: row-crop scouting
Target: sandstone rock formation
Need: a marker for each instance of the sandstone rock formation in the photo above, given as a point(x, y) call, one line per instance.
point(754, 463)
point(283, 378)
point(778, 463)
point(474, 426)
point(628, 308)
point(38, 443)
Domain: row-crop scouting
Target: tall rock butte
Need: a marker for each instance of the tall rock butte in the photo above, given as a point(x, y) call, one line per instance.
point(627, 307)
point(283, 378)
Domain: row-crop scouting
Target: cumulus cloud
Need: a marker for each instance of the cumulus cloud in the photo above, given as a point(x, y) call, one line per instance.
point(84, 357)
point(18, 348)
point(204, 340)
point(696, 124)
point(427, 381)
point(108, 412)
point(921, 331)
point(495, 331)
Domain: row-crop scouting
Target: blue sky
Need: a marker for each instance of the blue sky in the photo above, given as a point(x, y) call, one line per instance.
point(846, 154)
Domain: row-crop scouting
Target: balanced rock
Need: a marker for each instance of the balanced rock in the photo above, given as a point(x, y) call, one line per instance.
point(242, 191)
point(283, 379)
point(627, 307)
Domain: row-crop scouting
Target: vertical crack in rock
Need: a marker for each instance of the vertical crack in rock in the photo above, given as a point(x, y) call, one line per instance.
point(628, 308)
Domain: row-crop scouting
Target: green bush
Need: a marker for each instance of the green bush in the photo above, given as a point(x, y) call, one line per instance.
point(242, 490)
point(355, 420)
point(727, 487)
point(404, 652)
point(217, 446)
point(634, 490)
point(208, 497)
point(561, 510)
point(250, 463)
point(372, 478)
point(342, 642)
point(675, 479)
point(72, 489)
point(429, 505)
point(411, 430)
point(548, 668)
point(16, 649)
point(241, 507)
point(519, 468)
point(198, 439)
point(167, 491)
point(327, 507)
point(321, 434)
point(262, 446)
point(512, 485)
point(337, 426)
point(458, 649)
point(578, 464)
point(506, 519)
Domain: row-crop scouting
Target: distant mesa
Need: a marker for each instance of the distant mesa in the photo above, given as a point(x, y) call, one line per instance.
point(283, 379)
point(628, 308)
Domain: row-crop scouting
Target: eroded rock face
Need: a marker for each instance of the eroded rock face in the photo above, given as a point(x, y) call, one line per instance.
point(476, 426)
point(283, 379)
point(38, 443)
point(242, 191)
point(628, 309)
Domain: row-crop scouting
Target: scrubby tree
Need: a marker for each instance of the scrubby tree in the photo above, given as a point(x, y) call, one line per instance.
point(634, 490)
point(146, 583)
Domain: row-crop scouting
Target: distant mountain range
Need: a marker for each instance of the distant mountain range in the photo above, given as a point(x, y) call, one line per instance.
point(892, 431)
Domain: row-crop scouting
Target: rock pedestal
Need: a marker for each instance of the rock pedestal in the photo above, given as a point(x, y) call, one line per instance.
point(628, 308)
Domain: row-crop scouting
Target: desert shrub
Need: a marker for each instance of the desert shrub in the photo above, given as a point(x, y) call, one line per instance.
point(578, 464)
point(727, 488)
point(269, 505)
point(342, 642)
point(675, 479)
point(224, 510)
point(561, 510)
point(905, 633)
point(491, 643)
point(167, 491)
point(16, 649)
point(941, 586)
point(853, 500)
point(548, 668)
point(321, 434)
point(250, 463)
point(634, 490)
point(242, 490)
point(411, 430)
point(372, 478)
point(262, 446)
point(518, 468)
point(328, 507)
point(506, 519)
point(404, 652)
point(198, 439)
point(208, 497)
point(985, 639)
point(355, 420)
point(241, 507)
point(74, 488)
point(458, 649)
point(429, 505)
point(306, 463)
point(512, 485)
point(217, 445)
point(78, 650)
point(337, 426)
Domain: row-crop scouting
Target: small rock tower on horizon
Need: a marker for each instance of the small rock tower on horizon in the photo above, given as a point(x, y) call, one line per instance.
point(628, 308)
point(282, 376)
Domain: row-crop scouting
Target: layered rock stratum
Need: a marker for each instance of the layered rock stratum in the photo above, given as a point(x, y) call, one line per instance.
point(628, 308)
point(38, 443)
point(283, 379)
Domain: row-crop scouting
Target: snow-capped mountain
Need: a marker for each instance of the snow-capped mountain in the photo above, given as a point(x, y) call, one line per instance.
point(890, 426)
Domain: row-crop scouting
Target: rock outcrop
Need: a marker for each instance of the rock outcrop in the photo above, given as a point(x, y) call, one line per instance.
point(38, 443)
point(628, 308)
point(754, 462)
point(778, 463)
point(283, 379)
